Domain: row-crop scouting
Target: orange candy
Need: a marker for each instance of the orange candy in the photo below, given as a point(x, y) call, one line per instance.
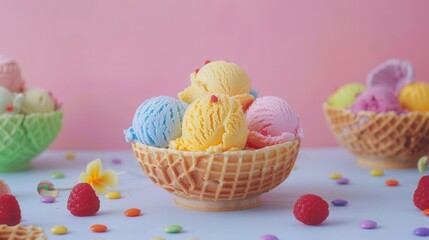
point(426, 212)
point(98, 228)
point(392, 183)
point(132, 212)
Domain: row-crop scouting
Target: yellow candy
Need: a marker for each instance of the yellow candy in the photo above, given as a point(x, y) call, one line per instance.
point(59, 230)
point(157, 238)
point(70, 155)
point(376, 172)
point(335, 176)
point(113, 195)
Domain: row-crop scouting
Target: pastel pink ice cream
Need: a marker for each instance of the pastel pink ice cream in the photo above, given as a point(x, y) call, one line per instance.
point(4, 188)
point(393, 74)
point(10, 75)
point(378, 99)
point(271, 120)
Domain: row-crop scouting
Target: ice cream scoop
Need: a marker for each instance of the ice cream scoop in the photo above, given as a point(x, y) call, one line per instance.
point(378, 99)
point(393, 74)
point(213, 123)
point(345, 95)
point(10, 75)
point(37, 100)
point(271, 120)
point(6, 100)
point(157, 121)
point(415, 96)
point(219, 77)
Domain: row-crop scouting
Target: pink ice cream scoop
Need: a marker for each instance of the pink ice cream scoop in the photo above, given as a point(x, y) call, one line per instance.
point(10, 75)
point(271, 120)
point(393, 74)
point(378, 99)
point(4, 188)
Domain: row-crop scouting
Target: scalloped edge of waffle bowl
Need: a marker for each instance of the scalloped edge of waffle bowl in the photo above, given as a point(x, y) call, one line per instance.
point(20, 232)
point(221, 181)
point(383, 140)
point(25, 136)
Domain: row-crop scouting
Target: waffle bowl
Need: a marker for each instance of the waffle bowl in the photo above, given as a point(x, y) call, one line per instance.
point(384, 140)
point(19, 232)
point(24, 136)
point(217, 182)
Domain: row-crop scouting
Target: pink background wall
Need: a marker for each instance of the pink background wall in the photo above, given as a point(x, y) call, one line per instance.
point(103, 58)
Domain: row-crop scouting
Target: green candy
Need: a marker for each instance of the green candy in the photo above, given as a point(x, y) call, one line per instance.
point(173, 229)
point(57, 174)
point(421, 164)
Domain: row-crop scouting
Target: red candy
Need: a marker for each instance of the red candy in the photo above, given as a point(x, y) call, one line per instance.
point(206, 62)
point(213, 98)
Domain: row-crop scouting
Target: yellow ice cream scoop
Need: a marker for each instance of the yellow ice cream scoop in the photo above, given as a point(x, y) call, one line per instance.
point(346, 95)
point(213, 123)
point(219, 77)
point(415, 96)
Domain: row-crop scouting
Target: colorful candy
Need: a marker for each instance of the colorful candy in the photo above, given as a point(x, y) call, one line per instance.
point(113, 195)
point(392, 182)
point(339, 202)
point(46, 188)
point(98, 228)
point(70, 156)
point(421, 231)
point(268, 237)
point(335, 176)
point(57, 174)
point(376, 172)
point(368, 224)
point(343, 181)
point(116, 161)
point(47, 199)
point(173, 229)
point(59, 230)
point(132, 212)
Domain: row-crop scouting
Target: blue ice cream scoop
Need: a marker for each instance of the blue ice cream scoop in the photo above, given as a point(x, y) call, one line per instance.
point(157, 121)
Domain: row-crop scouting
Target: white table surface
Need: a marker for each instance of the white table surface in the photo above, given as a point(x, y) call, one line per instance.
point(368, 196)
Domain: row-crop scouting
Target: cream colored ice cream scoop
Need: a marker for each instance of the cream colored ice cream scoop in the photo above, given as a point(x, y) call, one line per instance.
point(37, 100)
point(213, 123)
point(219, 77)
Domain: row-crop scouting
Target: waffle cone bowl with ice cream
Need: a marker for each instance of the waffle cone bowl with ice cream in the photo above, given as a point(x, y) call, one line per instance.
point(30, 119)
point(214, 151)
point(386, 123)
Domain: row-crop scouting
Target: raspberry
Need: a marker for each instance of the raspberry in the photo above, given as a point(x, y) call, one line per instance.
point(421, 194)
point(83, 201)
point(10, 213)
point(424, 181)
point(311, 209)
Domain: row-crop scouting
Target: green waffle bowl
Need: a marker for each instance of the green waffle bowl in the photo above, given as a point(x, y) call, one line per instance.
point(23, 137)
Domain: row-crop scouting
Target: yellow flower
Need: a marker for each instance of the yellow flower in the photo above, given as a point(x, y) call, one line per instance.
point(97, 178)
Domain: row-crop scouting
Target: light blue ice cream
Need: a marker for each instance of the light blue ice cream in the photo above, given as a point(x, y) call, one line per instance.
point(157, 121)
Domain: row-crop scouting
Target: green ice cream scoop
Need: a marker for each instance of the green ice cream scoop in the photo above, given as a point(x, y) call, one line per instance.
point(346, 95)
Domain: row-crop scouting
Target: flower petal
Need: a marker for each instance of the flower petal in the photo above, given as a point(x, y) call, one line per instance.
point(109, 178)
point(85, 177)
point(98, 187)
point(94, 168)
